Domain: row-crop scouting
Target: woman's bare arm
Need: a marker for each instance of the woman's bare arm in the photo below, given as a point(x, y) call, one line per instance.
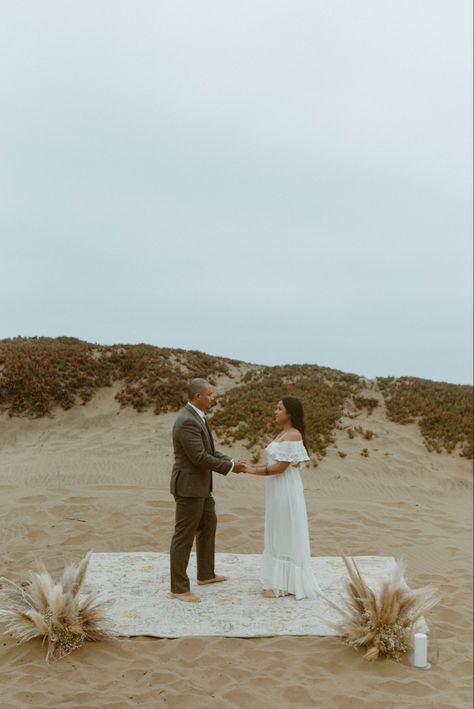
point(274, 469)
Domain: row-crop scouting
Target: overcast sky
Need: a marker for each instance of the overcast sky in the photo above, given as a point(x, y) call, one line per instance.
point(275, 181)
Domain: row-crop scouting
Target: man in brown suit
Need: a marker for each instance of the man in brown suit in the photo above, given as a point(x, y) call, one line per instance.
point(191, 485)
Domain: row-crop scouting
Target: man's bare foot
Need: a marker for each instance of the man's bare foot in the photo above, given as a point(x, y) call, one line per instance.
point(216, 579)
point(188, 597)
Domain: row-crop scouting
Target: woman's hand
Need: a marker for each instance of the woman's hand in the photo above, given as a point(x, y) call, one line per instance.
point(274, 469)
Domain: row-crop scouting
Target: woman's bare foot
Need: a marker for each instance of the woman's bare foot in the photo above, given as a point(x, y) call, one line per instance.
point(188, 597)
point(268, 593)
point(216, 579)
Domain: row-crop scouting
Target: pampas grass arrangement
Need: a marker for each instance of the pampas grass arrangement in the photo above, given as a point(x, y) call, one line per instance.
point(382, 625)
point(54, 611)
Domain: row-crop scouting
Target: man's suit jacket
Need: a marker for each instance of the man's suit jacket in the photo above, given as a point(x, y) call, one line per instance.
point(194, 456)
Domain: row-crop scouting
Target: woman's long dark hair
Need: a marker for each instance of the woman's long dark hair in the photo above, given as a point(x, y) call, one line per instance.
point(294, 408)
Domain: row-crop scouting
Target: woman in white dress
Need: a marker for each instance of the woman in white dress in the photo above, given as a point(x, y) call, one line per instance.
point(286, 560)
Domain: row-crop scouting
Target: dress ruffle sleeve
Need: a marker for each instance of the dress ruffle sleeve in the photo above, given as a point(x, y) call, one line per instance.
point(292, 452)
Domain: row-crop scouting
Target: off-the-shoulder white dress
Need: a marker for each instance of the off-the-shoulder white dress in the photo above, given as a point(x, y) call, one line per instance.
point(286, 560)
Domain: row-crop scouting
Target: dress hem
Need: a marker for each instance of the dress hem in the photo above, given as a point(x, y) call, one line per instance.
point(283, 576)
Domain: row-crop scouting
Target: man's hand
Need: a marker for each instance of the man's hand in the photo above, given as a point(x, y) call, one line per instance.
point(239, 465)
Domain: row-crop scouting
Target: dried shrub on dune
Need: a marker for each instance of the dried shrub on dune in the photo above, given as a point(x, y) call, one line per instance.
point(246, 411)
point(157, 377)
point(444, 410)
point(55, 611)
point(38, 373)
point(364, 402)
point(381, 625)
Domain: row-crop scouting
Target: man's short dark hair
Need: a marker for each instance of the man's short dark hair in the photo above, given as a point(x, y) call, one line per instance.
point(195, 386)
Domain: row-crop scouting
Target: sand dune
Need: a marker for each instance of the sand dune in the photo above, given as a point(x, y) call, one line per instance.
point(96, 477)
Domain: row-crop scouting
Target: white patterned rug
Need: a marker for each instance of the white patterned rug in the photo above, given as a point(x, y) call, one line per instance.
point(138, 585)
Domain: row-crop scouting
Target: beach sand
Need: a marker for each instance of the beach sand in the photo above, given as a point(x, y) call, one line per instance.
point(97, 478)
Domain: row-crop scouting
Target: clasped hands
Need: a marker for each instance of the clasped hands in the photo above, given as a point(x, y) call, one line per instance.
point(241, 466)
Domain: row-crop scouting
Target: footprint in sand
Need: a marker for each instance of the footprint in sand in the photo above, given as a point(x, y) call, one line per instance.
point(32, 499)
point(80, 500)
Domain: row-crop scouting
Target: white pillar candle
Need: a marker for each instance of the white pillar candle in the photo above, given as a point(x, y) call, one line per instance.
point(421, 650)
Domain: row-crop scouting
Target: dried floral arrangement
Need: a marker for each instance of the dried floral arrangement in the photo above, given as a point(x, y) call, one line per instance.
point(55, 611)
point(382, 625)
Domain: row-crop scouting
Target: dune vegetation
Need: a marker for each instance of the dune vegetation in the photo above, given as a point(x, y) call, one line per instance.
point(444, 411)
point(245, 412)
point(39, 374)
